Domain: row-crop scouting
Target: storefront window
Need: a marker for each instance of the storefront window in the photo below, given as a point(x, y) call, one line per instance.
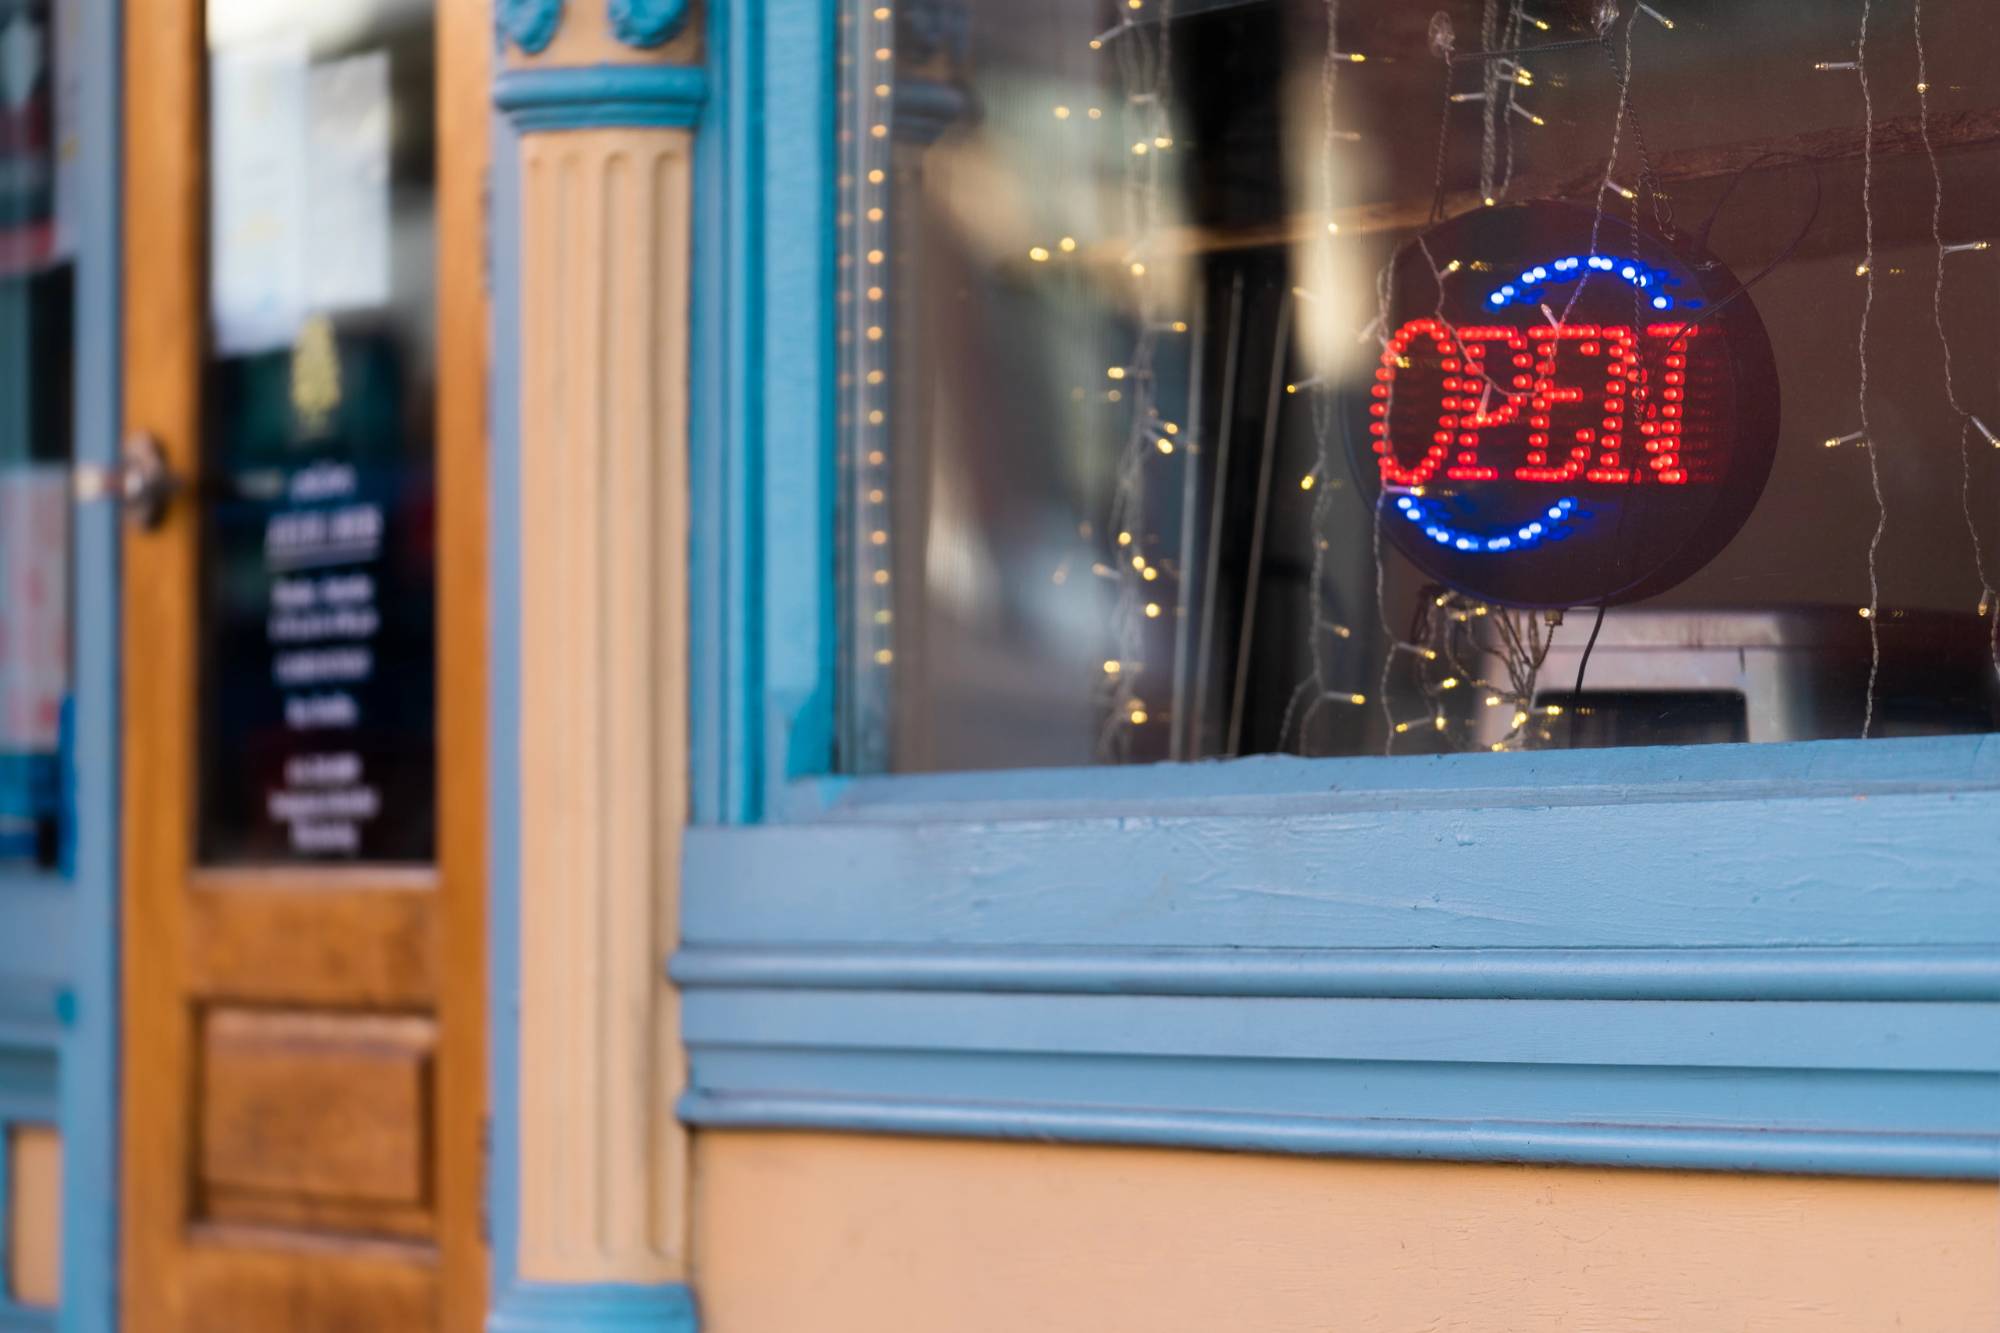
point(1225, 378)
point(318, 740)
point(37, 246)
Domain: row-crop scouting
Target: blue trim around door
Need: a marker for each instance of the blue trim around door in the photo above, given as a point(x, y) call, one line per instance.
point(87, 1005)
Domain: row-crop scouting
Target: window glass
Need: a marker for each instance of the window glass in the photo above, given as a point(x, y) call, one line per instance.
point(318, 571)
point(1225, 377)
point(37, 164)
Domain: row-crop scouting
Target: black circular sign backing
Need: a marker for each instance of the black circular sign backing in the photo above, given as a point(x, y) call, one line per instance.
point(1568, 411)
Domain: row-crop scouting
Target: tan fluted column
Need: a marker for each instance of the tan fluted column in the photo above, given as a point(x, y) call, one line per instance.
point(604, 200)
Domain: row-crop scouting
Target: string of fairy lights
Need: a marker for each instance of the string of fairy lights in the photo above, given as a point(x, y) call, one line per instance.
point(1459, 653)
point(867, 66)
point(1989, 600)
point(1873, 611)
point(1140, 45)
point(1864, 438)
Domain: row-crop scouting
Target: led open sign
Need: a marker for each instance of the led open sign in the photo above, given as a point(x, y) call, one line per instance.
point(1568, 412)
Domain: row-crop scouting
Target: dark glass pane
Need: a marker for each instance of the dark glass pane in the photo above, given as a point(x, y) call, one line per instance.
point(1236, 376)
point(318, 575)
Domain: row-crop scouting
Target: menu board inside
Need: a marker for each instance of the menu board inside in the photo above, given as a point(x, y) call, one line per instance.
point(319, 604)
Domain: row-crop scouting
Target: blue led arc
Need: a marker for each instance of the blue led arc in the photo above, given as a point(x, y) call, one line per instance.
point(1555, 519)
point(1529, 288)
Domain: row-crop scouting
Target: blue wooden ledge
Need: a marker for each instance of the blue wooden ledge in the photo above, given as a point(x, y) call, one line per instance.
point(601, 96)
point(1782, 959)
point(534, 1307)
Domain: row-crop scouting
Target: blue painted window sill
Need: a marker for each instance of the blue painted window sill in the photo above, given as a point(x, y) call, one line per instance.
point(1769, 958)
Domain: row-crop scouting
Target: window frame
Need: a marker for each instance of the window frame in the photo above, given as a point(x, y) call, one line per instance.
point(1768, 958)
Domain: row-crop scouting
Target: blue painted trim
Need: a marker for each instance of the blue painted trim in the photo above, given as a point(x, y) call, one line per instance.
point(87, 1092)
point(1285, 784)
point(601, 96)
point(531, 24)
point(1860, 1083)
point(1518, 1038)
point(1775, 1150)
point(39, 934)
point(503, 749)
point(727, 424)
point(1944, 974)
point(796, 382)
point(1893, 871)
point(600, 1308)
point(647, 23)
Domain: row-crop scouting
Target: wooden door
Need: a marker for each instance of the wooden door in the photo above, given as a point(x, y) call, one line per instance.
point(303, 1029)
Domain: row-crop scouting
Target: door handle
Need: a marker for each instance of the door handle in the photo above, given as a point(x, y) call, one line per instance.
point(143, 483)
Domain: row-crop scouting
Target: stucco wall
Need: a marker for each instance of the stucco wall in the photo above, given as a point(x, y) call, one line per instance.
point(835, 1234)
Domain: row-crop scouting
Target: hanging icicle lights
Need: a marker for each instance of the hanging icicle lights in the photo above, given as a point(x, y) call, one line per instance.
point(1319, 690)
point(1989, 600)
point(1140, 46)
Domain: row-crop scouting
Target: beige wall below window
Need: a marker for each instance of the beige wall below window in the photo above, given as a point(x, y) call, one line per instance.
point(837, 1234)
point(34, 1215)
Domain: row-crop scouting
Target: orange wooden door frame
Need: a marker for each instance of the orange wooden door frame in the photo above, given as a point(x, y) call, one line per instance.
point(242, 986)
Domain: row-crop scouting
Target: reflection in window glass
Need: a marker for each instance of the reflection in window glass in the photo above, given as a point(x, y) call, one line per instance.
point(37, 162)
point(318, 573)
point(1235, 376)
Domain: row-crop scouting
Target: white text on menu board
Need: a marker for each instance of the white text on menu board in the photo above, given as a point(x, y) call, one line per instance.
point(322, 621)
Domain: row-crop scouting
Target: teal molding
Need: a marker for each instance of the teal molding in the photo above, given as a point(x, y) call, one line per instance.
point(550, 1307)
point(1937, 1157)
point(530, 24)
point(793, 381)
point(726, 551)
point(1945, 973)
point(601, 97)
point(647, 23)
point(1867, 1087)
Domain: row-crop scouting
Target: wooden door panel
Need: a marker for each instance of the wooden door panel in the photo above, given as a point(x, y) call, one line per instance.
point(301, 1069)
point(243, 1280)
point(332, 937)
point(315, 1105)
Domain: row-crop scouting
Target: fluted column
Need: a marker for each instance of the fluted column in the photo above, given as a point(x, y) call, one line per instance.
point(603, 96)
